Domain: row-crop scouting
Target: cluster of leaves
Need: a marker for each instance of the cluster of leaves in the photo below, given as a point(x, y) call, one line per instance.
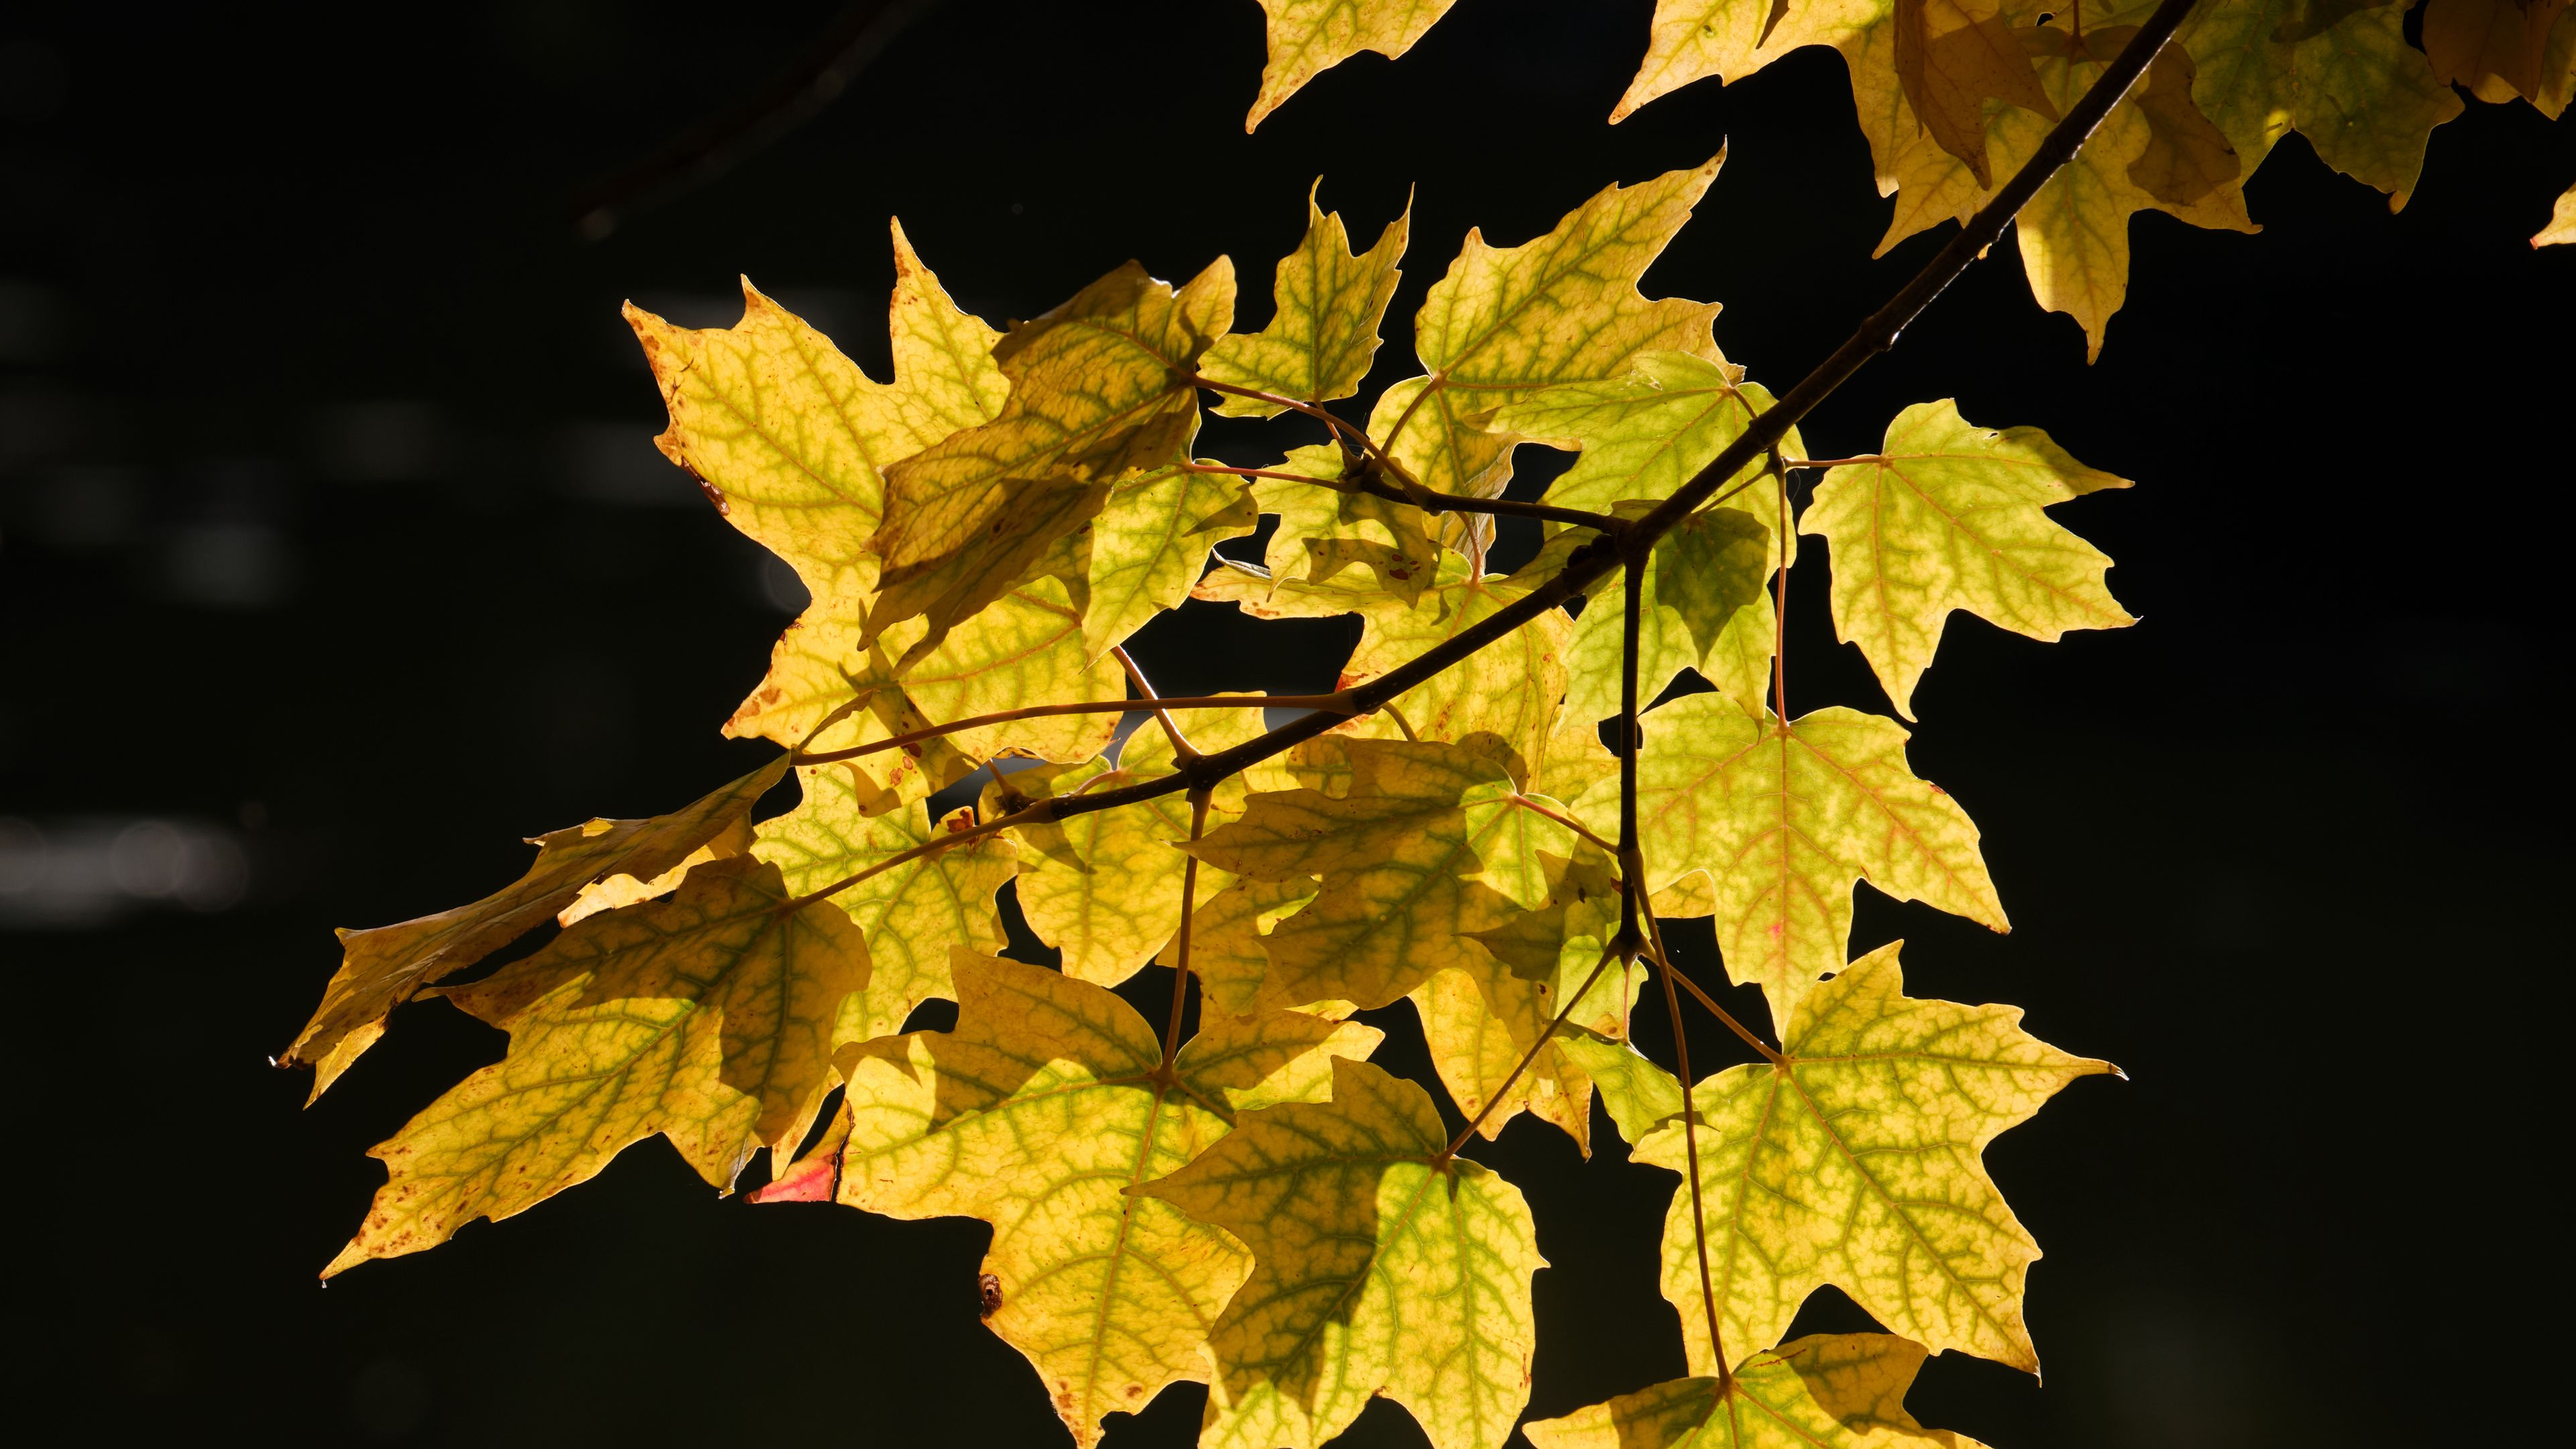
point(1954, 95)
point(1256, 1205)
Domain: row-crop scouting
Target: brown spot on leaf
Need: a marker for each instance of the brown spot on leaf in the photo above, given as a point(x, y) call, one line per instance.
point(988, 1290)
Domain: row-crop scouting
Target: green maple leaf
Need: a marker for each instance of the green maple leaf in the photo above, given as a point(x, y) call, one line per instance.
point(1099, 386)
point(1324, 333)
point(2340, 74)
point(710, 1018)
point(1785, 818)
point(382, 967)
point(1038, 1114)
point(1949, 516)
point(914, 914)
point(1309, 37)
point(1857, 1161)
point(1640, 1095)
point(791, 440)
point(1407, 852)
point(1379, 1267)
point(1564, 308)
point(1825, 1391)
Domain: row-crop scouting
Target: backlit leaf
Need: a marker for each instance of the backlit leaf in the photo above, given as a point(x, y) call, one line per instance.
point(1309, 37)
point(1825, 1391)
point(1948, 517)
point(1150, 544)
point(2340, 74)
point(1099, 386)
point(1037, 1115)
point(1951, 57)
point(1324, 334)
point(1105, 887)
point(1786, 818)
point(709, 1018)
point(1377, 1269)
point(2561, 230)
point(1858, 1162)
point(1400, 865)
point(791, 440)
point(380, 968)
point(912, 914)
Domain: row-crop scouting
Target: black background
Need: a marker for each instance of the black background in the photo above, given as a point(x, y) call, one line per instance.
point(331, 529)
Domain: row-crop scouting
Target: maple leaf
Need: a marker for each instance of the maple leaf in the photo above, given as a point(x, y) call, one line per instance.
point(1785, 818)
point(791, 441)
point(1226, 936)
point(1856, 1160)
point(1406, 853)
point(381, 967)
point(1150, 544)
point(1379, 1266)
point(912, 914)
point(2339, 73)
point(1825, 1391)
point(1639, 1095)
point(1324, 332)
point(1037, 1114)
point(1323, 530)
point(1099, 386)
point(1027, 647)
point(1951, 57)
point(710, 1017)
point(1949, 516)
point(1692, 40)
point(1309, 37)
point(1563, 308)
point(2561, 230)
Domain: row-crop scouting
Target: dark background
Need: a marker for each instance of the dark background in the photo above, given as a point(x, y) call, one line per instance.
point(334, 559)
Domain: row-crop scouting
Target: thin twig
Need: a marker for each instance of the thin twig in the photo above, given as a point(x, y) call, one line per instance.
point(1504, 1091)
point(1568, 821)
point(1181, 945)
point(1655, 939)
point(1833, 462)
point(1181, 748)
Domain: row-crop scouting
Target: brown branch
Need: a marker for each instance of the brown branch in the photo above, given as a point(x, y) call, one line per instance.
point(1181, 747)
point(1181, 944)
point(1504, 1091)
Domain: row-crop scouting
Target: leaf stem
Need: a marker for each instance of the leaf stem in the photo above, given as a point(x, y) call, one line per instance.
point(1568, 821)
point(1181, 944)
point(1181, 747)
point(1655, 937)
point(1780, 605)
point(1833, 462)
point(1503, 1092)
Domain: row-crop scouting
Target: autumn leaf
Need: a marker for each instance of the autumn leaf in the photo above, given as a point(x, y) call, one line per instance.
point(1104, 888)
point(912, 914)
point(2340, 74)
point(1563, 308)
point(1309, 37)
point(710, 1018)
point(1099, 386)
point(1404, 856)
point(1027, 647)
point(1227, 941)
point(1379, 1267)
point(1825, 1391)
point(1324, 332)
point(2561, 230)
point(380, 968)
point(1150, 544)
point(1693, 40)
point(1949, 516)
point(1324, 531)
point(791, 440)
point(1786, 818)
point(1856, 1160)
point(1037, 1114)
point(1640, 1096)
point(1951, 57)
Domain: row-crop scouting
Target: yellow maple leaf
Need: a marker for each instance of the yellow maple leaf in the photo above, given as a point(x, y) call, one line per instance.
point(1785, 818)
point(1825, 1391)
point(1952, 56)
point(1379, 1267)
point(1856, 1160)
point(1949, 516)
point(791, 439)
point(1309, 37)
point(1038, 1114)
point(1226, 942)
point(2561, 230)
point(710, 1018)
point(1499, 325)
point(1693, 40)
point(381, 967)
point(1324, 332)
point(1406, 853)
point(1099, 386)
point(1150, 544)
point(912, 914)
